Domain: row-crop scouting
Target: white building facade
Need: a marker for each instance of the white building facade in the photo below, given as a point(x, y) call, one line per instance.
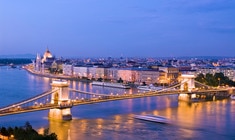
point(68, 69)
point(229, 72)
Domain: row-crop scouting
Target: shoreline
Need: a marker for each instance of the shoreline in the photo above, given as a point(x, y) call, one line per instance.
point(56, 76)
point(61, 76)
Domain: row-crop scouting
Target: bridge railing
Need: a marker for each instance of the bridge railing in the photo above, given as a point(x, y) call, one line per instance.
point(172, 87)
point(18, 104)
point(202, 84)
point(85, 92)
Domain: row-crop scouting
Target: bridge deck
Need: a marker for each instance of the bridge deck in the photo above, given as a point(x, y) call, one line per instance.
point(83, 102)
point(105, 98)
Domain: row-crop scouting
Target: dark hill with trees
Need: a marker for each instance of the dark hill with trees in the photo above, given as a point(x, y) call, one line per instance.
point(218, 79)
point(15, 61)
point(26, 132)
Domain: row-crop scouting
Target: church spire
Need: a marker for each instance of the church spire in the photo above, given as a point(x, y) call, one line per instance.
point(47, 50)
point(38, 56)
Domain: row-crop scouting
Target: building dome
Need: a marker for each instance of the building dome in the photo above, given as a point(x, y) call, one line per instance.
point(47, 54)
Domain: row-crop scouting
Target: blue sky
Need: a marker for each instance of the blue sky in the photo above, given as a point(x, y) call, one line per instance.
point(94, 28)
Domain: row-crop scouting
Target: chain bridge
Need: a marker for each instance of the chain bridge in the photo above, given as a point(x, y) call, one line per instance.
point(60, 99)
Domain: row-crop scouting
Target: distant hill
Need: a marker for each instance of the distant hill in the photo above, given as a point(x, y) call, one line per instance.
point(18, 59)
point(14, 61)
point(29, 56)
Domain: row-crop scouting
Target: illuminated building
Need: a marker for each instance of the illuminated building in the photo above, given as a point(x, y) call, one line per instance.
point(68, 69)
point(80, 71)
point(43, 64)
point(168, 74)
point(227, 71)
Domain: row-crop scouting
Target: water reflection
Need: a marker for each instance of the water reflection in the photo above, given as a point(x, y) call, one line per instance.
point(214, 116)
point(107, 125)
point(61, 128)
point(17, 85)
point(114, 120)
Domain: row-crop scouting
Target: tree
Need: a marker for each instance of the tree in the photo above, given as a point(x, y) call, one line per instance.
point(52, 136)
point(200, 78)
point(4, 131)
point(100, 79)
point(10, 130)
point(120, 80)
point(215, 80)
point(144, 84)
point(28, 126)
point(46, 132)
point(27, 132)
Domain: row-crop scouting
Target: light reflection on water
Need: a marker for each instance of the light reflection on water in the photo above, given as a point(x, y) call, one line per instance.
point(189, 121)
point(114, 120)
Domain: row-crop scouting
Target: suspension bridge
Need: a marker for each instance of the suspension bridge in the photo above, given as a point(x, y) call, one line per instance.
point(60, 99)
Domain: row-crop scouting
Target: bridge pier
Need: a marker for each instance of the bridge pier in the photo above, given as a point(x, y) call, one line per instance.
point(60, 114)
point(204, 96)
point(188, 97)
point(60, 98)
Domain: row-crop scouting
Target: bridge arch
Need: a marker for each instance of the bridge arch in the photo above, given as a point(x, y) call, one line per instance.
point(55, 98)
point(187, 82)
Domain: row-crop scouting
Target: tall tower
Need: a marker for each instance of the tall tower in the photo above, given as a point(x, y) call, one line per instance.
point(38, 64)
point(187, 82)
point(60, 98)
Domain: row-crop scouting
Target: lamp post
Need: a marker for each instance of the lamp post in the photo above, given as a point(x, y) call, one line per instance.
point(219, 81)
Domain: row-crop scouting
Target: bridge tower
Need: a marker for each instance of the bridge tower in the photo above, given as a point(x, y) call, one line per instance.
point(60, 98)
point(187, 82)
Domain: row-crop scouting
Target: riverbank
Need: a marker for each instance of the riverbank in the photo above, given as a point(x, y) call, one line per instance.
point(57, 76)
point(54, 76)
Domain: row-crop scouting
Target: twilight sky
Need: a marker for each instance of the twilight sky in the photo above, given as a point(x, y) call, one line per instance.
point(142, 28)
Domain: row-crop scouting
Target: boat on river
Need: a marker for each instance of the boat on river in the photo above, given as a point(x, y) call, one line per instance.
point(152, 118)
point(149, 88)
point(108, 84)
point(12, 65)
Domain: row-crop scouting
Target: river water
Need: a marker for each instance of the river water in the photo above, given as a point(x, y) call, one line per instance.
point(114, 120)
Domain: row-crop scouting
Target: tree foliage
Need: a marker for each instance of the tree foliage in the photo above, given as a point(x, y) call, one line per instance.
point(26, 132)
point(120, 80)
point(16, 61)
point(100, 79)
point(218, 79)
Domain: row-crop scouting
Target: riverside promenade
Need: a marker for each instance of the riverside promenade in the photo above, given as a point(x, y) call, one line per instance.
point(29, 68)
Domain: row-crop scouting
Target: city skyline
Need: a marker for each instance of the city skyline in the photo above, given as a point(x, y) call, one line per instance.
point(118, 28)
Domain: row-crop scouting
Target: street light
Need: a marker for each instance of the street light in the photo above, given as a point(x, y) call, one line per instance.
point(219, 81)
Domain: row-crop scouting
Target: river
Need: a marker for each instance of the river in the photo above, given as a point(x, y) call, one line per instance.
point(114, 120)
